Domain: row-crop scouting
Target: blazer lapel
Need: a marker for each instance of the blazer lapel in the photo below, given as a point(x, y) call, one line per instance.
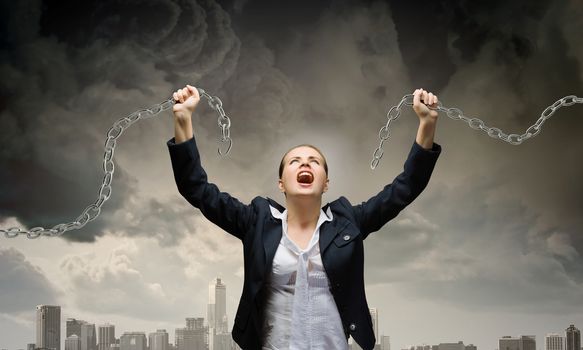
point(271, 234)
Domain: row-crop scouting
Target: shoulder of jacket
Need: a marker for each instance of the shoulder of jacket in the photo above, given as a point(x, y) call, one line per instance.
point(343, 201)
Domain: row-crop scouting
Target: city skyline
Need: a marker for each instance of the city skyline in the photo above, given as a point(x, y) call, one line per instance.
point(551, 341)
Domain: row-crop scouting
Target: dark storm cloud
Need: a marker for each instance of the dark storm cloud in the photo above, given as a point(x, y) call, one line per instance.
point(63, 71)
point(22, 285)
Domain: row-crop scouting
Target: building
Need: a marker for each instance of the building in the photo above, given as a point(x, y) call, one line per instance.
point(508, 343)
point(554, 341)
point(573, 338)
point(524, 342)
point(73, 326)
point(158, 340)
point(217, 311)
point(88, 336)
point(106, 336)
point(527, 342)
point(451, 346)
point(73, 342)
point(84, 330)
point(133, 341)
point(374, 315)
point(385, 342)
point(48, 327)
point(471, 347)
point(193, 337)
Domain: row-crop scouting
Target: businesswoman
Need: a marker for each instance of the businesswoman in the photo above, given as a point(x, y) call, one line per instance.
point(303, 263)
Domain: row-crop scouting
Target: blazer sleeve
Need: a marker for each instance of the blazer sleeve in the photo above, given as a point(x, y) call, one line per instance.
point(380, 209)
point(221, 208)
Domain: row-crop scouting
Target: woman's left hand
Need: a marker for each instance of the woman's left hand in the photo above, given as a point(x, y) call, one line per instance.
point(422, 99)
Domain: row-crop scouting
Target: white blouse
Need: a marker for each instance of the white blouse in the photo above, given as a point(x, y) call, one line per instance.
point(300, 310)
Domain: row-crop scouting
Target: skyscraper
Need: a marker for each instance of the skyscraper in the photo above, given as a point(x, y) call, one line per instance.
point(133, 341)
point(573, 336)
point(508, 343)
point(385, 342)
point(554, 341)
point(88, 336)
point(374, 315)
point(106, 336)
point(158, 340)
point(193, 336)
point(217, 307)
point(48, 327)
point(217, 312)
point(73, 342)
point(525, 342)
point(73, 326)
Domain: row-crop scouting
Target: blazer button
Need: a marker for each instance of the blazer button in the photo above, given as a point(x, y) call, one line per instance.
point(352, 326)
point(346, 237)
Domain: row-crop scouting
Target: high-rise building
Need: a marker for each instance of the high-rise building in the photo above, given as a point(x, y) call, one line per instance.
point(573, 337)
point(508, 343)
point(48, 327)
point(84, 330)
point(527, 342)
point(133, 341)
point(106, 336)
point(524, 342)
point(73, 326)
point(88, 336)
point(217, 311)
point(374, 315)
point(385, 342)
point(193, 337)
point(73, 342)
point(554, 341)
point(30, 346)
point(158, 340)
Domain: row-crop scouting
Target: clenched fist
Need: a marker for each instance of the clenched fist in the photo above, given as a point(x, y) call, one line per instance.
point(422, 99)
point(186, 100)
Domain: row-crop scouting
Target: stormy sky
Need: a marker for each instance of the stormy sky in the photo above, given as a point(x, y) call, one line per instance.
point(492, 247)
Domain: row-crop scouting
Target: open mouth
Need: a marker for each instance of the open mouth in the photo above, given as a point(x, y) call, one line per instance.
point(305, 177)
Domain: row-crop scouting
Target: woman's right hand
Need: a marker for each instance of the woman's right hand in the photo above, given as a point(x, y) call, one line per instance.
point(186, 100)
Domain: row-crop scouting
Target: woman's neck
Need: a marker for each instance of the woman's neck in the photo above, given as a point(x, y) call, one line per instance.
point(303, 213)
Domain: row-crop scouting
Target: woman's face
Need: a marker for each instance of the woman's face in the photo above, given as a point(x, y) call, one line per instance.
point(303, 173)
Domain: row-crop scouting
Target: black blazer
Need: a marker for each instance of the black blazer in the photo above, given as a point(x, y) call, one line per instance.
point(341, 240)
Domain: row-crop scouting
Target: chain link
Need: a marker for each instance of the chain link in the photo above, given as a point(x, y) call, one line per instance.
point(94, 209)
point(474, 123)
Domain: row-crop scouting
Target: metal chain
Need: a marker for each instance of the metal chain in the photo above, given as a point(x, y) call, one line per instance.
point(93, 210)
point(474, 123)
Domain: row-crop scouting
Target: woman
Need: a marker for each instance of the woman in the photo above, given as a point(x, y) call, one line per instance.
point(304, 280)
